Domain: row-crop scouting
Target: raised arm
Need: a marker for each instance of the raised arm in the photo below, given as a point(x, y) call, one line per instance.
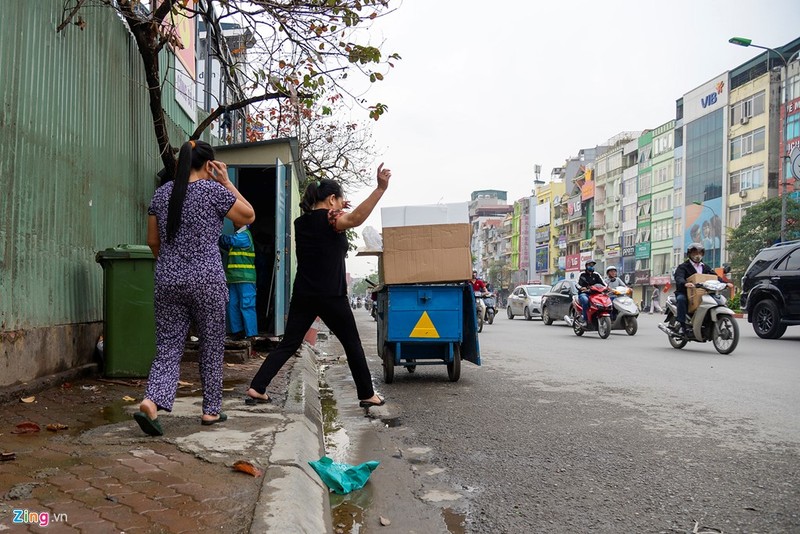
point(362, 211)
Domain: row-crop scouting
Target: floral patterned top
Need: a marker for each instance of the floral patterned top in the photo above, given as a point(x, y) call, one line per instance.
point(193, 256)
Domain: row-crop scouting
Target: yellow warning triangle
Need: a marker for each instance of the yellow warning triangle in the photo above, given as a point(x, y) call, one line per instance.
point(424, 327)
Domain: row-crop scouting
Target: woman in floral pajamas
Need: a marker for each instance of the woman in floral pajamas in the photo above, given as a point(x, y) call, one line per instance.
point(185, 222)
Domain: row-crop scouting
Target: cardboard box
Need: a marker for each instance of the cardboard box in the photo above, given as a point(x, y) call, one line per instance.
point(426, 254)
point(695, 294)
point(425, 215)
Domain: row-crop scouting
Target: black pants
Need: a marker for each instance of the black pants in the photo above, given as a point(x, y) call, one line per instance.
point(337, 315)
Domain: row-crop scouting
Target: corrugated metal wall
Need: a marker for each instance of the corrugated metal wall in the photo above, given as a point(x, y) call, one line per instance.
point(77, 159)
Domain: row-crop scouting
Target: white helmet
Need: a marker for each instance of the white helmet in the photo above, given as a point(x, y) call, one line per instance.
point(611, 268)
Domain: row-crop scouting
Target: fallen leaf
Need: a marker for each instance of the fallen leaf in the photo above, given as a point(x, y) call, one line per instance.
point(55, 427)
point(28, 400)
point(385, 522)
point(247, 467)
point(182, 384)
point(128, 398)
point(28, 427)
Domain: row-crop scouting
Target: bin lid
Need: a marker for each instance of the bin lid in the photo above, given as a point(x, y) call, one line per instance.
point(125, 252)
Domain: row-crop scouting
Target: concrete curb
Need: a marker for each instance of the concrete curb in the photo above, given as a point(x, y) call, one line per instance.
point(293, 498)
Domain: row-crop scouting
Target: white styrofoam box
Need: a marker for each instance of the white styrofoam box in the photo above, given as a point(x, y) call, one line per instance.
point(424, 215)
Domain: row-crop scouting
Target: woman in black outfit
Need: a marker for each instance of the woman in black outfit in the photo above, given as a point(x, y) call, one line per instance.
point(320, 286)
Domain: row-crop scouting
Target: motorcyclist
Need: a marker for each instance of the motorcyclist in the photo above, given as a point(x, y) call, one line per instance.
point(587, 279)
point(612, 281)
point(693, 265)
point(479, 286)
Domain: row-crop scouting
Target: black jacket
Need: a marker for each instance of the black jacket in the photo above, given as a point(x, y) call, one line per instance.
point(587, 280)
point(685, 270)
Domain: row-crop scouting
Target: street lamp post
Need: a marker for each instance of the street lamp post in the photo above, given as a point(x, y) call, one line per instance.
point(742, 41)
point(713, 249)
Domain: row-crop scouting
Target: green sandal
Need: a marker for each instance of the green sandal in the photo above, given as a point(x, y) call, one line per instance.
point(151, 427)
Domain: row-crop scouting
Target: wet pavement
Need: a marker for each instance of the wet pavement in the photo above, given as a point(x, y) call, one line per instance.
point(94, 470)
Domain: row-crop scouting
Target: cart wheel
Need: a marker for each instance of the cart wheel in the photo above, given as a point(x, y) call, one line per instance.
point(388, 363)
point(454, 369)
point(411, 368)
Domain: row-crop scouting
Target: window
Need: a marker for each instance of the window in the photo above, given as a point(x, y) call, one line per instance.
point(645, 184)
point(628, 239)
point(662, 230)
point(644, 155)
point(792, 126)
point(662, 174)
point(629, 212)
point(792, 88)
point(662, 203)
point(643, 234)
point(643, 264)
point(645, 208)
point(677, 198)
point(629, 186)
point(747, 143)
point(749, 178)
point(747, 108)
point(678, 168)
point(736, 213)
point(677, 228)
point(661, 264)
point(792, 263)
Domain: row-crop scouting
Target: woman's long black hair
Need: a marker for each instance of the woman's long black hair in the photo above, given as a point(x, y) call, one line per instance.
point(317, 191)
point(193, 155)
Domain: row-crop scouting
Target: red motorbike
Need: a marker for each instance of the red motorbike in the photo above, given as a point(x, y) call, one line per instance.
point(599, 313)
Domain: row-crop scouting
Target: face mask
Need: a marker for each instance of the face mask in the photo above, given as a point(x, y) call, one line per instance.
point(590, 269)
point(697, 258)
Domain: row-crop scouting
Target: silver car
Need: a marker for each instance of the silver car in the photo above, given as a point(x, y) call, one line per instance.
point(526, 300)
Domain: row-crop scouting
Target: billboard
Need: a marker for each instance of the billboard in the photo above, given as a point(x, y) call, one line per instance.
point(542, 258)
point(703, 225)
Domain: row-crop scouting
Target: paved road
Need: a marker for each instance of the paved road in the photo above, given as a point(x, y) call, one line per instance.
point(556, 433)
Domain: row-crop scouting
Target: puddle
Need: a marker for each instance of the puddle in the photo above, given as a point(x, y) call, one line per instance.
point(348, 511)
point(454, 521)
point(116, 412)
point(337, 442)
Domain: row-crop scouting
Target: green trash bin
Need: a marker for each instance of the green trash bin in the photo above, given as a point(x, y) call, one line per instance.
point(129, 328)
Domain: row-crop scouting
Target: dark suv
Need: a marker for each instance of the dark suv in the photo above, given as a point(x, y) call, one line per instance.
point(771, 289)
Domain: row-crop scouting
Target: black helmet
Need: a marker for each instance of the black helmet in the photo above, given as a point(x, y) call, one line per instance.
point(696, 246)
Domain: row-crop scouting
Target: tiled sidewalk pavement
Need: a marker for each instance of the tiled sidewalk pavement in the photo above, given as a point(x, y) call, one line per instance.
point(134, 484)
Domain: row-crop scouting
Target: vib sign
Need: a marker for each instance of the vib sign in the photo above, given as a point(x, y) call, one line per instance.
point(711, 98)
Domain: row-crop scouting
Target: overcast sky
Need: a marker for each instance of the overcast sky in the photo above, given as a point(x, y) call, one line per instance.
point(486, 90)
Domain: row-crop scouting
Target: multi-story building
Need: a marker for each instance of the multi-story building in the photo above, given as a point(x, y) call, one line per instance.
point(607, 223)
point(790, 120)
point(753, 164)
point(705, 120)
point(641, 279)
point(663, 194)
point(625, 253)
point(485, 205)
point(545, 251)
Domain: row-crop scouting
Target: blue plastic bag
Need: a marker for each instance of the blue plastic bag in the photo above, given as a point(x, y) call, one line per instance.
point(343, 478)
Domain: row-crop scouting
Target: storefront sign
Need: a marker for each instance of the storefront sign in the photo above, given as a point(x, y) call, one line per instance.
point(562, 241)
point(628, 252)
point(542, 234)
point(573, 262)
point(587, 191)
point(642, 250)
point(659, 280)
point(586, 244)
point(641, 278)
point(612, 251)
point(562, 262)
point(585, 256)
point(627, 278)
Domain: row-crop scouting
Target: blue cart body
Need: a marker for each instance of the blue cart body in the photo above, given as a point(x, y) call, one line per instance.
point(427, 324)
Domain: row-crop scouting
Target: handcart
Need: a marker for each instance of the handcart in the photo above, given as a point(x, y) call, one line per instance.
point(427, 324)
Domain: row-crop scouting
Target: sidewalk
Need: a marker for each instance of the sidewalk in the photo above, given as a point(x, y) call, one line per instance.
point(102, 474)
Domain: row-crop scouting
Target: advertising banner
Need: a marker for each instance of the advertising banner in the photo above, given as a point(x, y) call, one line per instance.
point(642, 250)
point(703, 225)
point(612, 251)
point(542, 258)
point(628, 252)
point(542, 235)
point(710, 96)
point(584, 257)
point(542, 214)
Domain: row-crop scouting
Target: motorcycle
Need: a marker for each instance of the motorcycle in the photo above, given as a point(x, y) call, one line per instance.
point(625, 312)
point(481, 309)
point(489, 302)
point(599, 313)
point(711, 321)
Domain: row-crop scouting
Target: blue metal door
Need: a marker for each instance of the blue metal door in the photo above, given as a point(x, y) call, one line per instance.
point(281, 256)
